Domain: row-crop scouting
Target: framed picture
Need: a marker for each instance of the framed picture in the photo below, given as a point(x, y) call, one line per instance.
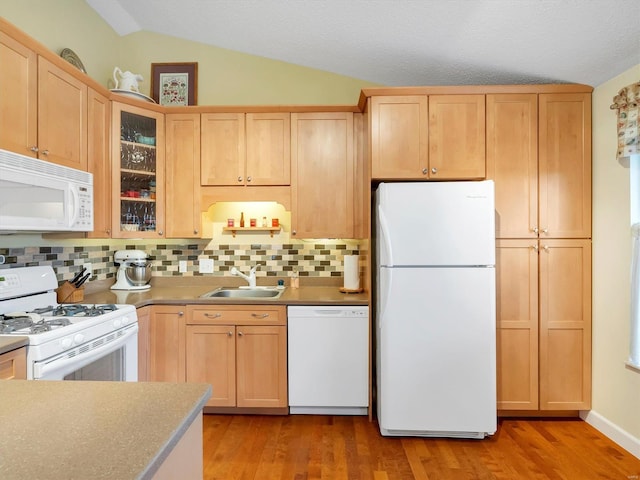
point(174, 83)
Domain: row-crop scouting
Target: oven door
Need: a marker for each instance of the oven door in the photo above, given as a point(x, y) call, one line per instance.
point(111, 357)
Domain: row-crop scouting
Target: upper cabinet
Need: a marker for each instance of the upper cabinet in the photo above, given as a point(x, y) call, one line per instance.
point(42, 107)
point(99, 161)
point(245, 149)
point(539, 155)
point(182, 204)
point(138, 172)
point(322, 183)
point(434, 137)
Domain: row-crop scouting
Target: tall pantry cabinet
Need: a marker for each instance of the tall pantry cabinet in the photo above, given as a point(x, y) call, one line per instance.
point(539, 155)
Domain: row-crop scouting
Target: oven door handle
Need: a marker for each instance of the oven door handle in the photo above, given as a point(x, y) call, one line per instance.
point(44, 369)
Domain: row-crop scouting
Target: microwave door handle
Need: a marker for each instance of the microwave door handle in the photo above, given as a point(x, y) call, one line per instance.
point(75, 206)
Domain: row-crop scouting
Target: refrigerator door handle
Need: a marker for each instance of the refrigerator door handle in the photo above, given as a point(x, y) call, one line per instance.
point(386, 277)
point(384, 230)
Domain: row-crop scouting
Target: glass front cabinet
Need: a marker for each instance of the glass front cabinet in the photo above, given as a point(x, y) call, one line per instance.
point(138, 172)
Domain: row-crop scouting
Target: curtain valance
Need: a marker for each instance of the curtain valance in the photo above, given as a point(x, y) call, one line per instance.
point(627, 102)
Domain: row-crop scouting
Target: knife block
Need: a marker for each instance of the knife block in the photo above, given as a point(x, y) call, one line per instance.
point(67, 293)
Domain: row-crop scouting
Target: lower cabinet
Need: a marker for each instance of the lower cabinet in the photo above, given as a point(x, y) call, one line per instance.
point(13, 364)
point(544, 324)
point(166, 342)
point(241, 350)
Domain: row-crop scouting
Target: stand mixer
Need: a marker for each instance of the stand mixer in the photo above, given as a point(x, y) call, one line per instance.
point(134, 270)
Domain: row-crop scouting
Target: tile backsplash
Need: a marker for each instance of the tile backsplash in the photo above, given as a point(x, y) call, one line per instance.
point(309, 258)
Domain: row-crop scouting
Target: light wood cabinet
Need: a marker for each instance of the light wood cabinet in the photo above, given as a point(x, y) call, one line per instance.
point(144, 319)
point(565, 165)
point(420, 137)
point(43, 109)
point(13, 364)
point(242, 351)
point(18, 97)
point(241, 149)
point(182, 190)
point(565, 324)
point(99, 161)
point(138, 172)
point(322, 169)
point(167, 344)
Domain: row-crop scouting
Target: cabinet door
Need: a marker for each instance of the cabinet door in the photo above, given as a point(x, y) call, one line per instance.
point(222, 156)
point(13, 365)
point(137, 172)
point(144, 325)
point(517, 322)
point(399, 137)
point(268, 149)
point(261, 366)
point(99, 161)
point(62, 117)
point(512, 163)
point(182, 205)
point(211, 358)
point(457, 137)
point(167, 344)
point(565, 165)
point(565, 324)
point(18, 97)
point(322, 175)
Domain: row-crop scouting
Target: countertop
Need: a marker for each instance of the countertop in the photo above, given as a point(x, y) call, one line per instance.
point(9, 342)
point(178, 294)
point(98, 430)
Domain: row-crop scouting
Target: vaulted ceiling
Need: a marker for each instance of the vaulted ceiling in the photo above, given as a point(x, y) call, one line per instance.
point(408, 42)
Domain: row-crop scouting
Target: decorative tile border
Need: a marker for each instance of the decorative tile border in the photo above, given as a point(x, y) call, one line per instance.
point(309, 259)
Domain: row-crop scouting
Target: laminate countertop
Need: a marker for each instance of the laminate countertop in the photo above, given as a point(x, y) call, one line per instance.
point(11, 342)
point(168, 294)
point(99, 430)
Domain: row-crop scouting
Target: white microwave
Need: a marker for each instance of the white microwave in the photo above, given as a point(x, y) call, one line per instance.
point(40, 196)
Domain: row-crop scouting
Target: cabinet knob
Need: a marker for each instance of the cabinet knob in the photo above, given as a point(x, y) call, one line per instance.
point(535, 230)
point(160, 232)
point(545, 231)
point(240, 334)
point(249, 178)
point(34, 149)
point(229, 334)
point(45, 152)
point(545, 248)
point(195, 231)
point(425, 171)
point(535, 247)
point(239, 179)
point(434, 170)
point(293, 232)
point(180, 314)
point(108, 232)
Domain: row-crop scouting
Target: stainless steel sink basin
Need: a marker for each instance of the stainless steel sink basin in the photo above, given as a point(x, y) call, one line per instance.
point(246, 293)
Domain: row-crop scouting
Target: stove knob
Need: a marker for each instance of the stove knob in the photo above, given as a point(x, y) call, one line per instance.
point(66, 342)
point(78, 338)
point(117, 323)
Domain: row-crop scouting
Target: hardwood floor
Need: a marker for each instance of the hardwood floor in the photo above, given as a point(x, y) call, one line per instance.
point(300, 447)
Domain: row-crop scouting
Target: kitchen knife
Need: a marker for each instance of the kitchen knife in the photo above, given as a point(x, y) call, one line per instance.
point(78, 275)
point(79, 283)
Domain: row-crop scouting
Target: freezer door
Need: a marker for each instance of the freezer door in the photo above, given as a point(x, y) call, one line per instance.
point(438, 223)
point(436, 355)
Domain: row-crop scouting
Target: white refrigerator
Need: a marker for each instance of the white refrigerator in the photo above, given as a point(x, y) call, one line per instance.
point(436, 309)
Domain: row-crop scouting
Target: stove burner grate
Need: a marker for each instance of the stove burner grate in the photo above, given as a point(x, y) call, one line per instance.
point(9, 324)
point(69, 310)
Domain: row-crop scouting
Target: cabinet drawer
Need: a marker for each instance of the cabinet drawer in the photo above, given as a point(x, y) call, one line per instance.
point(236, 315)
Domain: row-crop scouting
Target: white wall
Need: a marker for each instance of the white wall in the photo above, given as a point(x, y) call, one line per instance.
point(616, 388)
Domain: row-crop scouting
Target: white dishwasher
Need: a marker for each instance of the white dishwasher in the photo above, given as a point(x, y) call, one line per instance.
point(328, 356)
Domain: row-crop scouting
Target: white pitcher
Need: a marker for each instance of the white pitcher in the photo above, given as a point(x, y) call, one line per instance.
point(128, 81)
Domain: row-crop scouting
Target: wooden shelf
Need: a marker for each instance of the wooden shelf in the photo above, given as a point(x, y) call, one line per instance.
point(233, 230)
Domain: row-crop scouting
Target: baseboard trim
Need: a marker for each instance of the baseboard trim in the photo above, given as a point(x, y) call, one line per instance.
point(613, 431)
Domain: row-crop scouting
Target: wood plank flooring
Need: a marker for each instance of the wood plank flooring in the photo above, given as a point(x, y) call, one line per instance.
point(300, 447)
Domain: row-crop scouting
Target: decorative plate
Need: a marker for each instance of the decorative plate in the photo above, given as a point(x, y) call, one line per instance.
point(129, 93)
point(71, 57)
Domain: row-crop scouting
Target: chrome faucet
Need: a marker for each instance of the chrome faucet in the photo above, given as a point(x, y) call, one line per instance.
point(251, 278)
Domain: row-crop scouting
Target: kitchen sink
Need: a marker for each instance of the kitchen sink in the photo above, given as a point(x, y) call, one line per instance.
point(247, 293)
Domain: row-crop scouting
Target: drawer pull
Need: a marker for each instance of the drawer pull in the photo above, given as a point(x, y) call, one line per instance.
point(213, 315)
point(259, 315)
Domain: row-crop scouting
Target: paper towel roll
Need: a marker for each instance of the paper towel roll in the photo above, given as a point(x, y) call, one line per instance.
point(351, 272)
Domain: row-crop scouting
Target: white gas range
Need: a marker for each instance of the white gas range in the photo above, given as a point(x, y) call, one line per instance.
point(67, 341)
